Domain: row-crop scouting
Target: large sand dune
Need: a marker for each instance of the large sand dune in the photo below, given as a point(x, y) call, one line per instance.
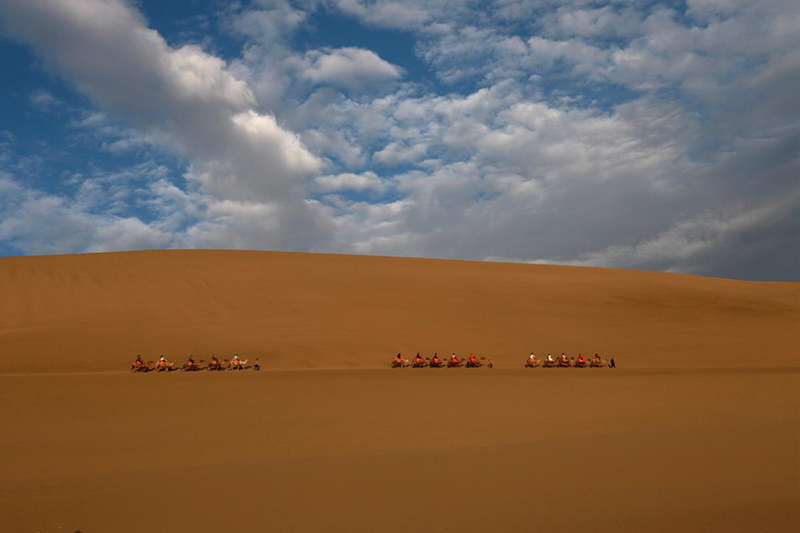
point(95, 312)
point(696, 431)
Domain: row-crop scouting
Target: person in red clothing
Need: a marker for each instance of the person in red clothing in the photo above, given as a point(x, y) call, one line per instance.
point(581, 359)
point(436, 361)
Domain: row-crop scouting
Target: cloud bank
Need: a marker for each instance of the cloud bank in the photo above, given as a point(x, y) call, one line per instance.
point(633, 135)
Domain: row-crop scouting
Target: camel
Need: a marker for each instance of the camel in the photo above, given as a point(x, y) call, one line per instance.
point(563, 362)
point(474, 363)
point(140, 366)
point(192, 366)
point(399, 363)
point(581, 364)
point(215, 364)
point(454, 363)
point(164, 366)
point(598, 363)
point(532, 362)
point(420, 363)
point(436, 363)
point(238, 364)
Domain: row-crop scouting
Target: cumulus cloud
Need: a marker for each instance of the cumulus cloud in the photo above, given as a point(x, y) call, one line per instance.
point(351, 68)
point(599, 133)
point(183, 95)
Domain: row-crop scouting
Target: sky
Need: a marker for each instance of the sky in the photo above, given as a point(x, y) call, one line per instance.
point(626, 134)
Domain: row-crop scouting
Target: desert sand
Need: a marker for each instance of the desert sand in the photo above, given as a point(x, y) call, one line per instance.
point(698, 429)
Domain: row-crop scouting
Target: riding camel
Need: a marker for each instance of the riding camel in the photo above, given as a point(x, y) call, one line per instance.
point(191, 365)
point(597, 361)
point(531, 362)
point(454, 362)
point(399, 362)
point(436, 362)
point(164, 366)
point(140, 366)
point(237, 363)
point(473, 361)
point(215, 364)
point(419, 362)
point(581, 362)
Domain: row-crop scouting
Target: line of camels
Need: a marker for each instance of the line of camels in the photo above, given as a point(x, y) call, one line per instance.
point(530, 362)
point(215, 364)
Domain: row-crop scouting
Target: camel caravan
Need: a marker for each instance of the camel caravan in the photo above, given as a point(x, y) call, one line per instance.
point(474, 362)
point(437, 362)
point(565, 362)
point(215, 364)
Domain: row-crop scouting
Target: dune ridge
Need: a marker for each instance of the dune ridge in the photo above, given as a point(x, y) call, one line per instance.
point(298, 310)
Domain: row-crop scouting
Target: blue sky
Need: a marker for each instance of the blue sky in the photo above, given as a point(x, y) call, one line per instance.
point(653, 135)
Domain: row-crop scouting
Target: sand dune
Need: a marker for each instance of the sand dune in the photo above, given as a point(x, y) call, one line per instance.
point(696, 431)
point(96, 311)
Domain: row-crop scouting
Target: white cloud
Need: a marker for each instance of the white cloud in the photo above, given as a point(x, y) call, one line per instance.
point(592, 133)
point(367, 181)
point(351, 68)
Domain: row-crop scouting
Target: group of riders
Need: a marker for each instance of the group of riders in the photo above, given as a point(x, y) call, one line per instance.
point(164, 365)
point(473, 362)
point(437, 362)
point(564, 361)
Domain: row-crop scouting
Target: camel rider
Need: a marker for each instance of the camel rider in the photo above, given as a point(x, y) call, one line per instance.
point(214, 362)
point(581, 360)
point(473, 359)
point(597, 357)
point(436, 359)
point(138, 363)
point(532, 358)
point(564, 357)
point(190, 363)
point(399, 359)
point(454, 359)
point(550, 358)
point(418, 359)
point(236, 361)
point(162, 361)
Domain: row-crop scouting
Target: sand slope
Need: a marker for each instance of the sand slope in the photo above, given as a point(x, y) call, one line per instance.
point(697, 430)
point(96, 311)
point(377, 450)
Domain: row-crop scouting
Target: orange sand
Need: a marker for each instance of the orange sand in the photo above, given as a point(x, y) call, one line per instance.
point(698, 430)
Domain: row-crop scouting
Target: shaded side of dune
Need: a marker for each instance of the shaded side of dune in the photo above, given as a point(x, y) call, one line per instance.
point(97, 311)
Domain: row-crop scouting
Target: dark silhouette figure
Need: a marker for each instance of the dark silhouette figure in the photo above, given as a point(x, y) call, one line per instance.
point(612, 364)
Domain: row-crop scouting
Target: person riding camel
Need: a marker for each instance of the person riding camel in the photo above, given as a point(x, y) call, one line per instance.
point(418, 360)
point(550, 358)
point(214, 363)
point(473, 361)
point(138, 363)
point(163, 363)
point(454, 359)
point(581, 360)
point(436, 361)
point(564, 358)
point(190, 362)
